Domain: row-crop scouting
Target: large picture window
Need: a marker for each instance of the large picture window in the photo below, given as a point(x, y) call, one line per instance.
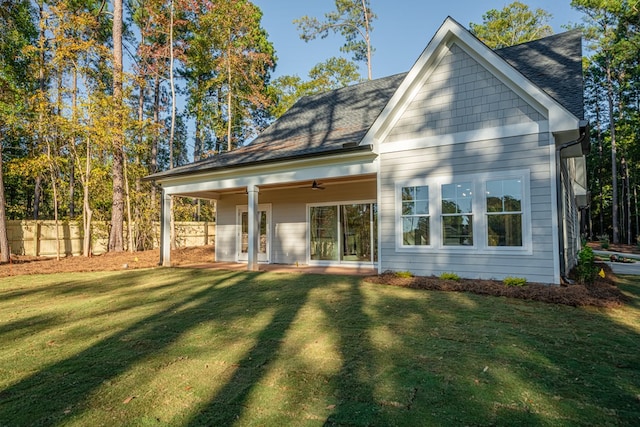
point(504, 212)
point(415, 216)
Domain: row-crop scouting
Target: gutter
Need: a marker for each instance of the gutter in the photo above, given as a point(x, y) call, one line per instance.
point(583, 140)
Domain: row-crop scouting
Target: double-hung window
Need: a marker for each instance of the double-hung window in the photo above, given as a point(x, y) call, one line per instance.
point(486, 212)
point(457, 214)
point(415, 216)
point(504, 212)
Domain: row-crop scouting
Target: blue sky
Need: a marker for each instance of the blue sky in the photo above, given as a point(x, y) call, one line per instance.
point(401, 31)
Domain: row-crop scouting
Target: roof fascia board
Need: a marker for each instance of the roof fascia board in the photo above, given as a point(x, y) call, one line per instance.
point(265, 167)
point(450, 32)
point(337, 166)
point(344, 151)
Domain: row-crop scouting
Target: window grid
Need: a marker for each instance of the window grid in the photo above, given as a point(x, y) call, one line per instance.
point(504, 212)
point(415, 216)
point(455, 217)
point(457, 214)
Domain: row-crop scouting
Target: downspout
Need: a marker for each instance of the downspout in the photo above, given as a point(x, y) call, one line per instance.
point(583, 139)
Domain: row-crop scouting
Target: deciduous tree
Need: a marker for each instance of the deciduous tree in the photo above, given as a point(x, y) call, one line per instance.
point(512, 25)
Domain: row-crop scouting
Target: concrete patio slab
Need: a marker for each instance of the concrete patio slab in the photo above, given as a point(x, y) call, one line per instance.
point(287, 268)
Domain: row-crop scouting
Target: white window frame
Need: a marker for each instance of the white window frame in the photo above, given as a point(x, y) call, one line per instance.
point(245, 208)
point(479, 214)
point(339, 261)
point(399, 202)
point(488, 214)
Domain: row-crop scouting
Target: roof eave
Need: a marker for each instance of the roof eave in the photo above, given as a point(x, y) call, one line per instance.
point(345, 149)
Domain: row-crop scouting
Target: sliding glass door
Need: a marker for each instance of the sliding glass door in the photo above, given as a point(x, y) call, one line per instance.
point(343, 233)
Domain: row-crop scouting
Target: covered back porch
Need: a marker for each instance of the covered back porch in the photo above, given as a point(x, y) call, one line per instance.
point(311, 215)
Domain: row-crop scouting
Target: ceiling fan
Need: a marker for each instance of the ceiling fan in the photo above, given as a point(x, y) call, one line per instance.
point(316, 186)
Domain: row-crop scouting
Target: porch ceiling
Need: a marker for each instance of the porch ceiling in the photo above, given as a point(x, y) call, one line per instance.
point(323, 182)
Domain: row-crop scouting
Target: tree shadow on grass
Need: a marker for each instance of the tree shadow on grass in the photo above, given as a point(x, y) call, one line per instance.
point(488, 360)
point(61, 390)
point(398, 356)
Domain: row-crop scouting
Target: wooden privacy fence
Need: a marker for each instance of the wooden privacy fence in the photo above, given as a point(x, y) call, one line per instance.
point(38, 238)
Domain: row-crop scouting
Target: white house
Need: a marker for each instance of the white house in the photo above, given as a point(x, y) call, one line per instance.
point(472, 163)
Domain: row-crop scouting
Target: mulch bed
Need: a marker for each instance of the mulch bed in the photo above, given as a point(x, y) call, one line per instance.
point(602, 293)
point(112, 261)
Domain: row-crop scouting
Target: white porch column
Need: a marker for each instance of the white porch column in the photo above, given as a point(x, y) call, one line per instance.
point(253, 217)
point(165, 230)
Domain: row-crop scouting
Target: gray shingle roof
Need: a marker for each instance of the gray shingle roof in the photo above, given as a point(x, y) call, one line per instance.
point(554, 64)
point(314, 125)
point(321, 124)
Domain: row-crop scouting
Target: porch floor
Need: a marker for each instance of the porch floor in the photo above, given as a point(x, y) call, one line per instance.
point(288, 268)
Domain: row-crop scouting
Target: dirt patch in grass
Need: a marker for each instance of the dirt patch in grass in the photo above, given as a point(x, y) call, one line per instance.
point(107, 262)
point(602, 293)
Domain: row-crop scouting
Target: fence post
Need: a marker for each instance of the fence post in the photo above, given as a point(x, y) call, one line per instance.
point(206, 232)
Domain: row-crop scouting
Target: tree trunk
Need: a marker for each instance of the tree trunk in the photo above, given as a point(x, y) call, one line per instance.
point(628, 200)
point(54, 188)
point(5, 253)
point(172, 221)
point(153, 162)
point(37, 191)
point(637, 222)
point(137, 201)
point(601, 166)
point(129, 221)
point(173, 89)
point(116, 235)
point(72, 142)
point(229, 97)
point(87, 213)
point(367, 39)
point(614, 169)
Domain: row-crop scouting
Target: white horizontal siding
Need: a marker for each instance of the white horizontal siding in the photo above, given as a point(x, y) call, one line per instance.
point(530, 152)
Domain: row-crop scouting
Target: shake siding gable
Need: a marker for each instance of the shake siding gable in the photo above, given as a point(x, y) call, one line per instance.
point(460, 95)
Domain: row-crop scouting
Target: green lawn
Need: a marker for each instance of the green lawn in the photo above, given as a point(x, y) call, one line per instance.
point(196, 347)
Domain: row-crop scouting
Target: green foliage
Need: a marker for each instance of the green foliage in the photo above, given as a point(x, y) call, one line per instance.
point(228, 61)
point(586, 269)
point(512, 25)
point(604, 241)
point(610, 30)
point(351, 19)
point(334, 73)
point(514, 281)
point(449, 276)
point(403, 274)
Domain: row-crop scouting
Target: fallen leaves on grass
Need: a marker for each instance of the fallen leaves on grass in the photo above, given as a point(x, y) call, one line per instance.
point(22, 264)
